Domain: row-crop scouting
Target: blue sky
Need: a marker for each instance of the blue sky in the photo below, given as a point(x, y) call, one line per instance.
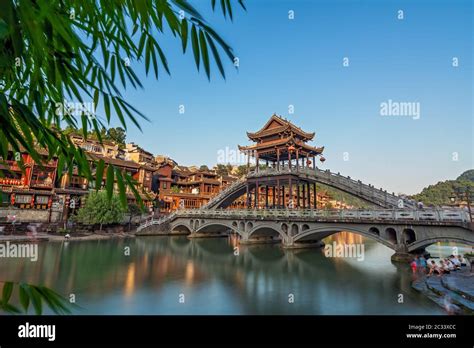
point(299, 62)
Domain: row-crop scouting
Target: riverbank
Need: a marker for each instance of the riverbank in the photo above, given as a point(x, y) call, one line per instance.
point(453, 292)
point(45, 237)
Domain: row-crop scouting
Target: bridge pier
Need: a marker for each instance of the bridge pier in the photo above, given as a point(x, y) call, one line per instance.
point(304, 244)
point(290, 244)
point(259, 240)
point(207, 235)
point(404, 257)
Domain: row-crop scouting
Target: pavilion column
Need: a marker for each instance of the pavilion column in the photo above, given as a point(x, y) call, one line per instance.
point(308, 189)
point(266, 196)
point(289, 160)
point(256, 195)
point(290, 191)
point(248, 196)
point(314, 162)
point(297, 194)
point(297, 160)
point(315, 196)
point(278, 159)
point(283, 194)
point(273, 197)
point(256, 157)
point(304, 195)
point(248, 161)
point(278, 194)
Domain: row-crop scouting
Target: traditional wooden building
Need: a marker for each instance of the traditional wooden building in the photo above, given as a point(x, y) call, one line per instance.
point(26, 184)
point(181, 187)
point(282, 147)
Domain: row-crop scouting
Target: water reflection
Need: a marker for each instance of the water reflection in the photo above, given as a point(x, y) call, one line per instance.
point(214, 280)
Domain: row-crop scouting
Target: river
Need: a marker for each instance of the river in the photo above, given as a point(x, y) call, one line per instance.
point(174, 275)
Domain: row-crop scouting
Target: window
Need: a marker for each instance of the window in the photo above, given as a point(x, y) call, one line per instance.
point(164, 185)
point(42, 199)
point(23, 199)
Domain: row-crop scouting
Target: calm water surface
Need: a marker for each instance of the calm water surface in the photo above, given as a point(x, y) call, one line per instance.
point(160, 270)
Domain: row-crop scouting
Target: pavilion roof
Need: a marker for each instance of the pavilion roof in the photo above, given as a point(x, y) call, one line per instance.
point(284, 141)
point(277, 125)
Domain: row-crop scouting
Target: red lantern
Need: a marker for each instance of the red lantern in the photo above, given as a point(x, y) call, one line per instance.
point(322, 159)
point(291, 148)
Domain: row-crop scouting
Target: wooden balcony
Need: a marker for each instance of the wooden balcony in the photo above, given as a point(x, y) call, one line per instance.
point(10, 165)
point(41, 184)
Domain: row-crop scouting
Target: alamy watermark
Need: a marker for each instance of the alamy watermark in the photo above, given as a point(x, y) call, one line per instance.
point(233, 156)
point(398, 108)
point(28, 251)
point(76, 109)
point(356, 251)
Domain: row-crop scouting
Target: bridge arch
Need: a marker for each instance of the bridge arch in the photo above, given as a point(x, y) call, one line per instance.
point(375, 231)
point(266, 230)
point(181, 228)
point(216, 226)
point(408, 236)
point(423, 243)
point(323, 232)
point(294, 230)
point(390, 234)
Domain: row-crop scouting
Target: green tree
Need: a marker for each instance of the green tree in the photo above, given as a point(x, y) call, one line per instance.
point(55, 52)
point(100, 210)
point(242, 170)
point(118, 135)
point(468, 175)
point(442, 192)
point(204, 168)
point(133, 210)
point(221, 169)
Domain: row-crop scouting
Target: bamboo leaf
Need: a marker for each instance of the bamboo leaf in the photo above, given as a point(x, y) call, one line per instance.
point(184, 34)
point(109, 185)
point(205, 54)
point(24, 297)
point(99, 174)
point(195, 45)
point(7, 292)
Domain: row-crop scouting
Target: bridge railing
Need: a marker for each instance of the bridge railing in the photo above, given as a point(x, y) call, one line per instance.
point(347, 182)
point(153, 221)
point(223, 193)
point(443, 215)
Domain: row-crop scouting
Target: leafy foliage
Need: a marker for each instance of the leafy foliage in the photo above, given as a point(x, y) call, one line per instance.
point(442, 192)
point(118, 135)
point(32, 296)
point(52, 52)
point(468, 175)
point(100, 209)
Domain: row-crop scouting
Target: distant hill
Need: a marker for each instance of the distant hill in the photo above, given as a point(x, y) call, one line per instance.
point(441, 193)
point(467, 175)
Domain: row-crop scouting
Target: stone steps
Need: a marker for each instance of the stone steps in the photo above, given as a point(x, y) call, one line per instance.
point(441, 289)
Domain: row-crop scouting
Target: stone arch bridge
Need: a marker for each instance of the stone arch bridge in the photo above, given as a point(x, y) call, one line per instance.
point(404, 231)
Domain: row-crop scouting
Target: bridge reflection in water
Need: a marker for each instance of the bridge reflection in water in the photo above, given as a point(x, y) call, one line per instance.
point(216, 281)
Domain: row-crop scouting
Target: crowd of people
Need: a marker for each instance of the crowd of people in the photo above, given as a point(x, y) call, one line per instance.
point(445, 265)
